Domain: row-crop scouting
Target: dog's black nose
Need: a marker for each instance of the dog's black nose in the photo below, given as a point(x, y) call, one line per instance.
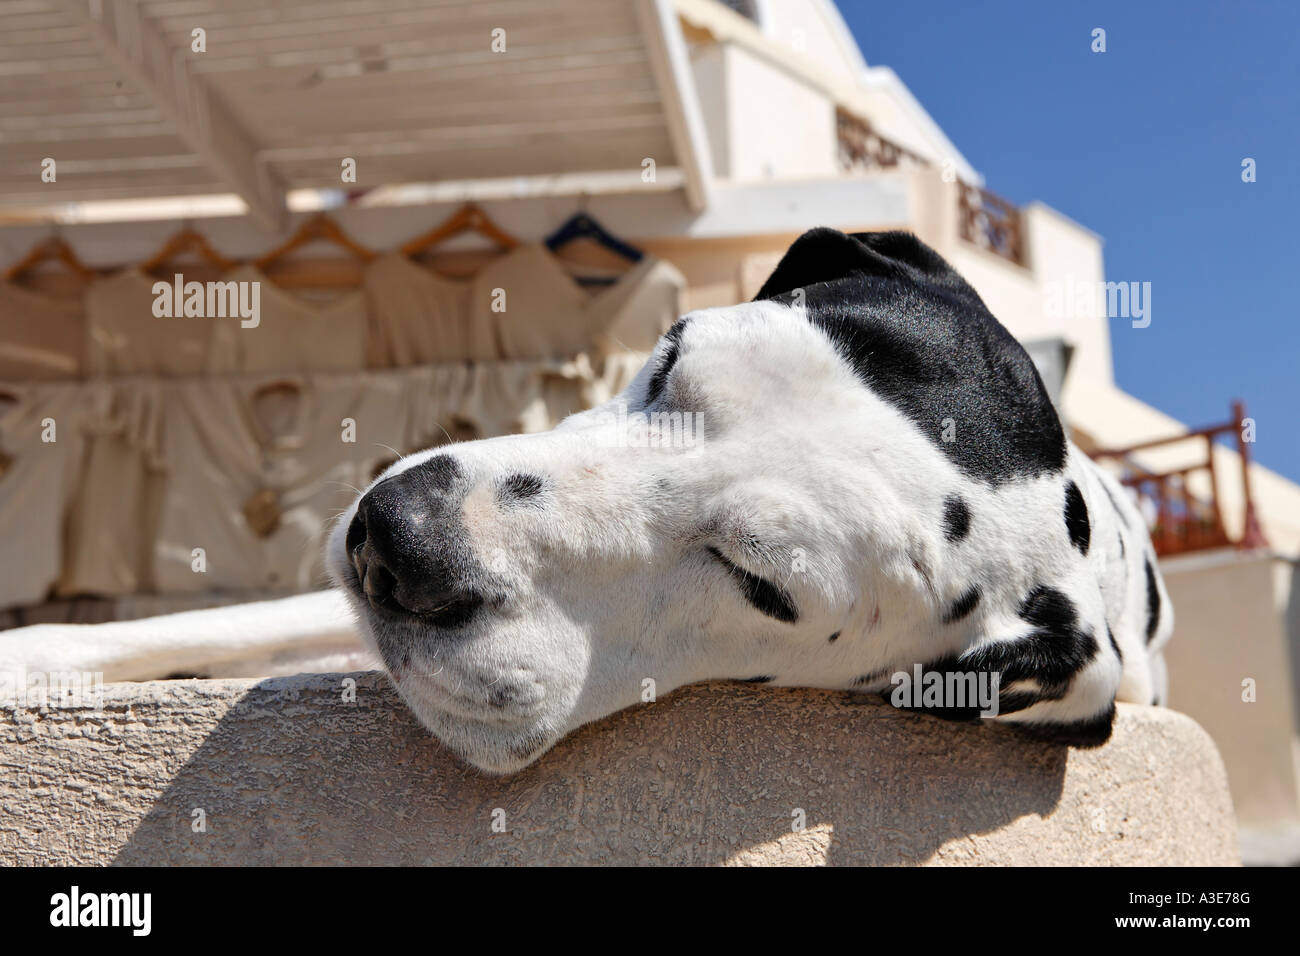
point(408, 546)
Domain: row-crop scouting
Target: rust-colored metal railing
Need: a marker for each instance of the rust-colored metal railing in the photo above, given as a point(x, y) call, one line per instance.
point(862, 148)
point(1184, 521)
point(991, 222)
point(985, 218)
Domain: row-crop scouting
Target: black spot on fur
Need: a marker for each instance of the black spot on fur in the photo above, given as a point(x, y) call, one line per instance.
point(955, 681)
point(963, 606)
point(834, 637)
point(956, 518)
point(763, 594)
point(1082, 734)
point(1114, 644)
point(871, 678)
point(1076, 518)
point(1051, 654)
point(921, 338)
point(756, 680)
point(1058, 647)
point(660, 377)
point(521, 487)
point(1123, 548)
point(1153, 601)
point(438, 473)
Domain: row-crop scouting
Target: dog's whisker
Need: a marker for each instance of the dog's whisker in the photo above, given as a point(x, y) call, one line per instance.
point(350, 487)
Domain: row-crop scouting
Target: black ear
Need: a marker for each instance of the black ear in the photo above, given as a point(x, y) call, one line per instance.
point(825, 255)
point(920, 338)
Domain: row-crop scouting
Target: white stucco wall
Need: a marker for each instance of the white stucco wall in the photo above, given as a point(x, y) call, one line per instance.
point(1064, 256)
point(1231, 628)
point(813, 29)
point(764, 122)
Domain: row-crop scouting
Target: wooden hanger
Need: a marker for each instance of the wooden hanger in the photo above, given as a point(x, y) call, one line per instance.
point(315, 229)
point(284, 386)
point(468, 218)
point(187, 240)
point(52, 249)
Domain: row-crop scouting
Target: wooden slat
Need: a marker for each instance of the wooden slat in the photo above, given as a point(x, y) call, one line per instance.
point(464, 60)
point(109, 101)
point(45, 127)
point(34, 65)
point(288, 87)
point(450, 138)
point(452, 124)
point(75, 91)
point(627, 66)
point(99, 148)
point(437, 165)
point(671, 67)
point(471, 27)
point(123, 187)
point(423, 166)
point(134, 45)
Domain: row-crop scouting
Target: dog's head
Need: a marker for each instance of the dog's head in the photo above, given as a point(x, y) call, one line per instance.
point(774, 478)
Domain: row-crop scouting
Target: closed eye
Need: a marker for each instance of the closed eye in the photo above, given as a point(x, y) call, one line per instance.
point(772, 600)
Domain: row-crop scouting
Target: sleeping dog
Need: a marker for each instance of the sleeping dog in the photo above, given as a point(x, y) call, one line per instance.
point(874, 482)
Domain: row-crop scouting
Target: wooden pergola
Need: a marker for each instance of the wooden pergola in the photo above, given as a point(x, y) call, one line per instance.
point(147, 98)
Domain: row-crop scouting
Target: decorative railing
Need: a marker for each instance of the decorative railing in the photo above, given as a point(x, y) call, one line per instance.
point(862, 148)
point(986, 219)
point(991, 222)
point(1180, 520)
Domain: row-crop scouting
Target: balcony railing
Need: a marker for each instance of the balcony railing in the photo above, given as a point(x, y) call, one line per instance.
point(1180, 520)
point(992, 223)
point(986, 219)
point(862, 148)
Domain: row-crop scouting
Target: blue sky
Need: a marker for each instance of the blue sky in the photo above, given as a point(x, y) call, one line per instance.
point(1142, 144)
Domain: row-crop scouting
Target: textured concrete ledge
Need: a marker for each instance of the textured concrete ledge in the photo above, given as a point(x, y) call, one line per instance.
point(286, 771)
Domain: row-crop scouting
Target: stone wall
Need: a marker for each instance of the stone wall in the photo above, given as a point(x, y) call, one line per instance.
point(289, 771)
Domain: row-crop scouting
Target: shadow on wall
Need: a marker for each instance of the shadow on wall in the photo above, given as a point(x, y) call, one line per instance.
point(293, 774)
